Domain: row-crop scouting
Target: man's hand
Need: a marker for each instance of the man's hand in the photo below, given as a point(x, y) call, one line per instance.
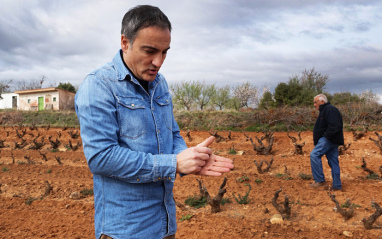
point(191, 160)
point(216, 165)
point(200, 160)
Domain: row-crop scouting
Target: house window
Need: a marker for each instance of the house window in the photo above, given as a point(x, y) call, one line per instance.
point(29, 101)
point(54, 99)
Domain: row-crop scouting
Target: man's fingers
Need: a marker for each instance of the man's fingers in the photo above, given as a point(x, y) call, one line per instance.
point(212, 173)
point(228, 166)
point(203, 150)
point(222, 159)
point(200, 163)
point(207, 142)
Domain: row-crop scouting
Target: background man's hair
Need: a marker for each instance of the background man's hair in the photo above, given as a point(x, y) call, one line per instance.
point(322, 97)
point(140, 17)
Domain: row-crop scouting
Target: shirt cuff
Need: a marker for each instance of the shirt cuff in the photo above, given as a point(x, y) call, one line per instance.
point(164, 167)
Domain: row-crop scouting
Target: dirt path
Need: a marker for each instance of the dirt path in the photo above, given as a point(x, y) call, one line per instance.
point(29, 209)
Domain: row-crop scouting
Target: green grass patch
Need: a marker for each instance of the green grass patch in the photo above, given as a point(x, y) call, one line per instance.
point(304, 176)
point(347, 205)
point(232, 151)
point(258, 181)
point(87, 192)
point(30, 200)
point(243, 199)
point(5, 169)
point(373, 176)
point(196, 201)
point(284, 176)
point(186, 217)
point(257, 128)
point(224, 201)
point(242, 179)
point(279, 127)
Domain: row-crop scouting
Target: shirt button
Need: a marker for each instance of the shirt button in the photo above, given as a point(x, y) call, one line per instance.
point(132, 105)
point(169, 178)
point(158, 131)
point(152, 108)
point(137, 179)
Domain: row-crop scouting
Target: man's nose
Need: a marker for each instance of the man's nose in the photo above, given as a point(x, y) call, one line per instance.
point(158, 60)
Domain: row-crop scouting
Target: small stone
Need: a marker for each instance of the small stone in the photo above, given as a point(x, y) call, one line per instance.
point(276, 219)
point(348, 234)
point(75, 195)
point(240, 152)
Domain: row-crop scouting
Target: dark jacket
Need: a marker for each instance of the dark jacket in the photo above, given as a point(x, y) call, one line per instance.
point(329, 125)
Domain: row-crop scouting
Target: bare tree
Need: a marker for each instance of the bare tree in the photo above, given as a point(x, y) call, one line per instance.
point(4, 86)
point(347, 214)
point(368, 222)
point(30, 84)
point(259, 165)
point(213, 202)
point(285, 208)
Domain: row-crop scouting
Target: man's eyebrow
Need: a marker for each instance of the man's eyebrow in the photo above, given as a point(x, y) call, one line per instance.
point(154, 48)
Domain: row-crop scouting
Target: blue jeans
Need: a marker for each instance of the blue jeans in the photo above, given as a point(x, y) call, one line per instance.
point(325, 147)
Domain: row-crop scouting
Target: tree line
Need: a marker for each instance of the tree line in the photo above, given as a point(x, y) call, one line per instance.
point(191, 95)
point(298, 91)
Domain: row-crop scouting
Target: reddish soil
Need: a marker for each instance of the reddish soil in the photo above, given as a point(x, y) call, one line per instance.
point(29, 210)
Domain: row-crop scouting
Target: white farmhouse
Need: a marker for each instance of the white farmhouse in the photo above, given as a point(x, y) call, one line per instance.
point(9, 101)
point(45, 99)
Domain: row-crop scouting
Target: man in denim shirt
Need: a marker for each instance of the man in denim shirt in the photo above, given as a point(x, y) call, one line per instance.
point(130, 138)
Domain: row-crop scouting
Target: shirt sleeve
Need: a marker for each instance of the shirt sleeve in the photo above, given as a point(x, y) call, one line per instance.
point(96, 110)
point(179, 144)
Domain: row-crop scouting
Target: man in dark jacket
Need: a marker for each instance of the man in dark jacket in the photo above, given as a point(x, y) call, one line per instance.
point(327, 136)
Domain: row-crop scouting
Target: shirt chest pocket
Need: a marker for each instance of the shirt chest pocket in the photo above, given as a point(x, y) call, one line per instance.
point(164, 102)
point(131, 116)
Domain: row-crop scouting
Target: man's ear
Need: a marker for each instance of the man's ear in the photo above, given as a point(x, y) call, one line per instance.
point(124, 43)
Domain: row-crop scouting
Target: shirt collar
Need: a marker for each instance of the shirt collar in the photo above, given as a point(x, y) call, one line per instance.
point(321, 107)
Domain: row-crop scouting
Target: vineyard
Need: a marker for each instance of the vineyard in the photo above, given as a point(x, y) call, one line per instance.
point(46, 187)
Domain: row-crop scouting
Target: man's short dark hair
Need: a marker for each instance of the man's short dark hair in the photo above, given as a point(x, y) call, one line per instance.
point(140, 17)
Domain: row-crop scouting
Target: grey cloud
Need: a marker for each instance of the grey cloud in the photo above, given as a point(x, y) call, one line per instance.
point(336, 28)
point(317, 35)
point(362, 26)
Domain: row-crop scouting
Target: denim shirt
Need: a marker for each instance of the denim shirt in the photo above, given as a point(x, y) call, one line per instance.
point(130, 140)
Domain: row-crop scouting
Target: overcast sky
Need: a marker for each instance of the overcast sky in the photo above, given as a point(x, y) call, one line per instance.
point(264, 42)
